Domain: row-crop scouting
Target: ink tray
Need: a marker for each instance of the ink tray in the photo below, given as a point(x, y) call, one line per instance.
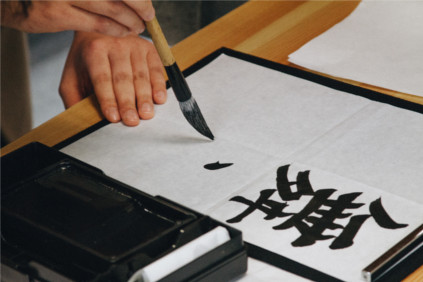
point(64, 220)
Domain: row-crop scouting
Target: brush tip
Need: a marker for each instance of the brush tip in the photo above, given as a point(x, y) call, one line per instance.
point(209, 135)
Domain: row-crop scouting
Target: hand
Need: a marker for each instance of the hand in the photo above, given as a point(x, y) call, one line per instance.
point(125, 73)
point(111, 17)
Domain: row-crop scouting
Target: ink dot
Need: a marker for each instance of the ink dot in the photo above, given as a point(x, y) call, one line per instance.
point(216, 165)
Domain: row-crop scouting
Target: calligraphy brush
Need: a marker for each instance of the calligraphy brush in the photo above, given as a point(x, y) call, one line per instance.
point(180, 87)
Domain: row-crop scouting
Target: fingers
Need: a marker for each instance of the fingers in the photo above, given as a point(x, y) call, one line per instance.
point(141, 80)
point(114, 15)
point(101, 78)
point(54, 16)
point(149, 81)
point(138, 80)
point(123, 86)
point(126, 75)
point(157, 79)
point(111, 17)
point(85, 20)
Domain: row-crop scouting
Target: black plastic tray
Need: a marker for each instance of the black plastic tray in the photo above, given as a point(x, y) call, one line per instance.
point(64, 216)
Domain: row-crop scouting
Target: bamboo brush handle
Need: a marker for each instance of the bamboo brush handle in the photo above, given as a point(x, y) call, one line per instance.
point(160, 42)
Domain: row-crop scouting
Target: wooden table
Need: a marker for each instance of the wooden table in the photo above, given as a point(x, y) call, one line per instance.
point(271, 30)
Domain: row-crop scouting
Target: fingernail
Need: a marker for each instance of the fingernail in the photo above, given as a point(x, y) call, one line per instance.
point(131, 115)
point(112, 114)
point(146, 108)
point(161, 95)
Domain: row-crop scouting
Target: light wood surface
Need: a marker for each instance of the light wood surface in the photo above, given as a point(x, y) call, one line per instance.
point(267, 29)
point(416, 276)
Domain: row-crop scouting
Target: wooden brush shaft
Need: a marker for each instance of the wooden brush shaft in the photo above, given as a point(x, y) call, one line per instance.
point(160, 42)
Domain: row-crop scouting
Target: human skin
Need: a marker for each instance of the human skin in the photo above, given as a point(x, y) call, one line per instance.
point(106, 58)
point(116, 18)
point(125, 73)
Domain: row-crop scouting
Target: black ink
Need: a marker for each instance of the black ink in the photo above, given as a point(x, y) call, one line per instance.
point(312, 232)
point(216, 165)
point(271, 208)
point(318, 215)
point(381, 216)
point(284, 185)
point(345, 239)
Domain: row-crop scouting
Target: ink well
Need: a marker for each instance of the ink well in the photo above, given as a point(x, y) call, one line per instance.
point(65, 220)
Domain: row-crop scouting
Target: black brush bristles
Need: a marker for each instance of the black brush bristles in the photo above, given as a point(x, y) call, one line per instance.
point(187, 103)
point(193, 115)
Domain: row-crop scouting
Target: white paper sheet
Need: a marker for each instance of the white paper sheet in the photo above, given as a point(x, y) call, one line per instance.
point(380, 43)
point(320, 255)
point(264, 119)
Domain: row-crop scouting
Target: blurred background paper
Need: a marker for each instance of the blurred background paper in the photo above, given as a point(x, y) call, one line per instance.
point(380, 43)
point(262, 119)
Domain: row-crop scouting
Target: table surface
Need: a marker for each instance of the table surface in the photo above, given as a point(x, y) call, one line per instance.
point(268, 29)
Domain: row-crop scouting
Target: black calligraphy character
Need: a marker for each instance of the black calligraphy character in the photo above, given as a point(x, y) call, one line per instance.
point(315, 226)
point(319, 215)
